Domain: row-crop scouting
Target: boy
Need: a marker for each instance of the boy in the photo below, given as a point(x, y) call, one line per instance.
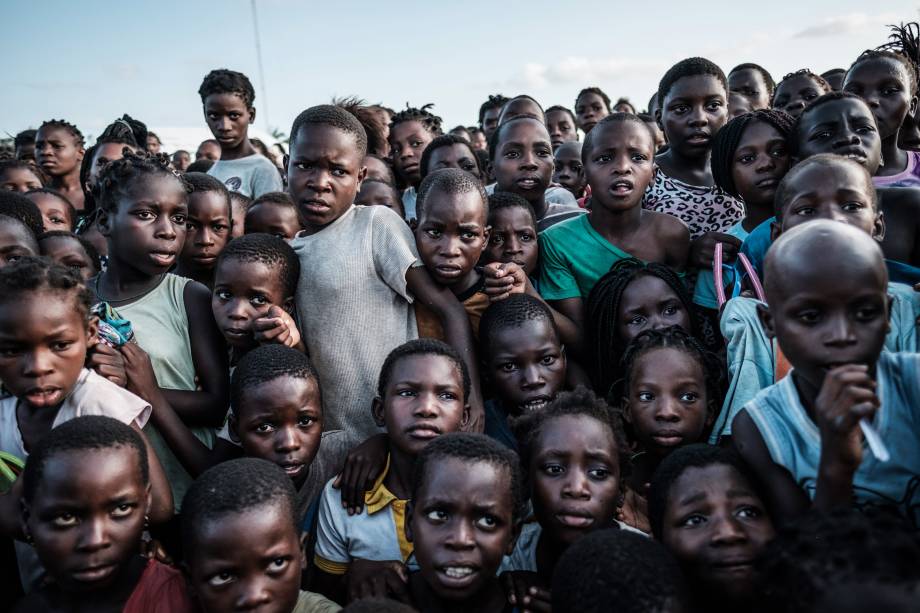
point(828, 309)
point(359, 274)
point(450, 236)
point(273, 213)
point(569, 171)
point(227, 97)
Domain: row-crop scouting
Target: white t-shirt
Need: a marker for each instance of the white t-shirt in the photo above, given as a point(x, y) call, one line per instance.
point(251, 176)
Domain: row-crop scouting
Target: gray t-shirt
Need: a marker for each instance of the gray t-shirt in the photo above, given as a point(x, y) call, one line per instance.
point(251, 176)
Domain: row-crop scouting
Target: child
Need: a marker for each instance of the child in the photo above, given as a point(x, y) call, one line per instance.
point(514, 232)
point(379, 169)
point(752, 82)
point(449, 151)
point(19, 176)
point(466, 509)
point(591, 105)
point(24, 145)
point(660, 142)
point(59, 151)
point(359, 271)
point(489, 112)
point(705, 508)
point(86, 525)
point(826, 286)
point(209, 222)
point(153, 143)
point(834, 78)
point(478, 139)
point(181, 160)
point(143, 215)
point(17, 240)
point(521, 106)
point(797, 90)
point(411, 131)
point(71, 251)
point(242, 542)
point(273, 213)
point(619, 165)
point(227, 98)
point(422, 393)
point(379, 193)
point(623, 105)
point(208, 150)
point(569, 172)
point(14, 204)
point(57, 212)
point(669, 395)
point(451, 235)
point(239, 206)
point(561, 125)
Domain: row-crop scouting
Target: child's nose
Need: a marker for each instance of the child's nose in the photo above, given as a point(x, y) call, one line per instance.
point(253, 595)
point(94, 535)
point(668, 410)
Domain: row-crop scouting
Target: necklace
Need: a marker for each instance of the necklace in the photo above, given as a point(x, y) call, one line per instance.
point(129, 298)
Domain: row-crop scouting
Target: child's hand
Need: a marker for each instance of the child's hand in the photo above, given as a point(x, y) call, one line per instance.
point(362, 467)
point(525, 593)
point(277, 326)
point(847, 395)
point(376, 579)
point(703, 249)
point(141, 378)
point(108, 362)
point(502, 280)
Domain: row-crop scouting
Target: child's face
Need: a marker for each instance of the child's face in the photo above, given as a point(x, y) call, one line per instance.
point(324, 173)
point(845, 127)
point(238, 210)
point(478, 141)
point(57, 151)
point(738, 105)
point(378, 169)
point(560, 127)
point(760, 162)
point(208, 150)
point(655, 129)
point(569, 171)
point(281, 421)
point(526, 366)
point(43, 342)
point(454, 156)
point(102, 155)
point(648, 303)
point(375, 193)
point(575, 473)
point(247, 561)
point(589, 109)
point(513, 238)
point(620, 165)
point(524, 161)
point(716, 526)
point(19, 180)
point(909, 134)
point(275, 219)
point(423, 399)
point(15, 242)
point(208, 229)
point(795, 93)
point(153, 144)
point(667, 404)
point(839, 193)
point(518, 107)
point(883, 83)
point(695, 108)
point(750, 84)
point(244, 292)
point(451, 235)
point(87, 524)
point(408, 140)
point(55, 214)
point(461, 525)
point(148, 228)
point(228, 118)
point(67, 251)
point(490, 121)
point(181, 161)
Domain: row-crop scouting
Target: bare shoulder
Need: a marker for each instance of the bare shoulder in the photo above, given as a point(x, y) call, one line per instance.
point(666, 225)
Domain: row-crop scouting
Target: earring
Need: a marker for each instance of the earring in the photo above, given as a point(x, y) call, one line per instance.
point(146, 522)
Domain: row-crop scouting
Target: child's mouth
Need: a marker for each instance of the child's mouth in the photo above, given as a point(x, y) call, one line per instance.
point(621, 188)
point(292, 469)
point(528, 183)
point(163, 258)
point(572, 520)
point(457, 576)
point(44, 396)
point(534, 404)
point(93, 574)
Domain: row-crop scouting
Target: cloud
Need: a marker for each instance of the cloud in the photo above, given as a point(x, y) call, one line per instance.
point(581, 70)
point(846, 24)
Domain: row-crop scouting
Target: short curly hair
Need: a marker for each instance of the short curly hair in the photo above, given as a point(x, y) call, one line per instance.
point(332, 116)
point(267, 363)
point(224, 81)
point(422, 346)
point(266, 249)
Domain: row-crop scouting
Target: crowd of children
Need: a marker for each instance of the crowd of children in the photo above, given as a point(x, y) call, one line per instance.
point(568, 359)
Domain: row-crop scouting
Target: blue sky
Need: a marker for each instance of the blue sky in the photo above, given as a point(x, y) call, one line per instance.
point(91, 61)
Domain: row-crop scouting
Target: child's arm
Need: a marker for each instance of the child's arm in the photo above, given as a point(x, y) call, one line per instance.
point(108, 362)
point(363, 466)
point(161, 500)
point(676, 240)
point(703, 249)
point(206, 407)
point(278, 327)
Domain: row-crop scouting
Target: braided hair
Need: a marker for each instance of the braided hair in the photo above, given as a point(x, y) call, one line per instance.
point(727, 139)
point(69, 127)
point(820, 81)
point(496, 101)
point(118, 176)
point(902, 48)
point(370, 119)
point(126, 131)
point(429, 121)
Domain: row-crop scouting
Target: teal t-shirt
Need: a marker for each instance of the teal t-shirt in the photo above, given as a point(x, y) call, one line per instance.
point(573, 256)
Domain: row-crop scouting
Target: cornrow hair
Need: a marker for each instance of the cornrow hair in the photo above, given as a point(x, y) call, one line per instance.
point(827, 160)
point(71, 211)
point(496, 136)
point(556, 108)
point(767, 77)
point(272, 251)
point(831, 96)
point(31, 274)
point(120, 175)
point(267, 363)
point(602, 309)
point(374, 126)
point(499, 200)
point(60, 123)
point(727, 139)
point(91, 251)
point(895, 54)
point(234, 488)
point(429, 121)
point(125, 130)
point(690, 67)
point(14, 164)
point(223, 81)
point(495, 101)
point(88, 432)
point(614, 117)
point(513, 312)
point(334, 117)
point(16, 206)
point(472, 449)
point(594, 90)
point(820, 81)
point(445, 140)
point(449, 181)
point(422, 346)
point(26, 137)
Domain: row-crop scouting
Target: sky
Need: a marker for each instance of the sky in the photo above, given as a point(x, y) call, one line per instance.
point(90, 61)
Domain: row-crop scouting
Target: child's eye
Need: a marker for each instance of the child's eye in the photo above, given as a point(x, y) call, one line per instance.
point(278, 564)
point(747, 158)
point(415, 144)
point(487, 522)
point(866, 129)
point(469, 167)
point(8, 351)
point(820, 135)
point(638, 157)
point(645, 396)
point(577, 168)
point(305, 421)
point(61, 345)
point(65, 520)
point(680, 109)
point(235, 115)
point(636, 320)
point(544, 153)
point(670, 309)
point(220, 579)
point(689, 397)
point(433, 233)
point(599, 473)
point(552, 469)
point(867, 313)
point(447, 396)
point(852, 207)
point(693, 520)
point(497, 239)
point(263, 428)
point(145, 215)
point(122, 510)
point(219, 227)
point(888, 91)
point(437, 516)
point(179, 219)
point(468, 236)
point(779, 152)
point(548, 360)
point(338, 172)
point(508, 367)
point(302, 165)
point(512, 154)
point(810, 96)
point(258, 301)
point(57, 220)
point(715, 105)
point(222, 295)
point(809, 317)
point(805, 211)
point(526, 237)
point(749, 512)
point(406, 393)
point(602, 159)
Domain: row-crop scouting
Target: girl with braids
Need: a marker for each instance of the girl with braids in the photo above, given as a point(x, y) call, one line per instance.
point(669, 396)
point(59, 151)
point(143, 216)
point(797, 90)
point(410, 132)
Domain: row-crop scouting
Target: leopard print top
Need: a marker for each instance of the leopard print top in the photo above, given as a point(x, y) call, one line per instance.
point(702, 209)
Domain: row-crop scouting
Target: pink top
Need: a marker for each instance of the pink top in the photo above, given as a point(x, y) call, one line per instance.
point(909, 177)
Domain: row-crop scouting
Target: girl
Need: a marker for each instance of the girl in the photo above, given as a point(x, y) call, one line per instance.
point(410, 132)
point(591, 105)
point(521, 105)
point(59, 151)
point(209, 222)
point(71, 251)
point(449, 151)
point(20, 176)
point(797, 90)
point(57, 212)
point(86, 525)
point(669, 395)
point(143, 215)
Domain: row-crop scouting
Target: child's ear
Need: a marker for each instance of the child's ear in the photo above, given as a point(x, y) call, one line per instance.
point(776, 228)
point(148, 502)
point(377, 410)
point(766, 320)
point(252, 115)
point(486, 233)
point(878, 228)
point(285, 159)
point(467, 417)
point(92, 329)
point(232, 425)
point(288, 305)
point(304, 542)
point(625, 410)
point(913, 106)
point(104, 223)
